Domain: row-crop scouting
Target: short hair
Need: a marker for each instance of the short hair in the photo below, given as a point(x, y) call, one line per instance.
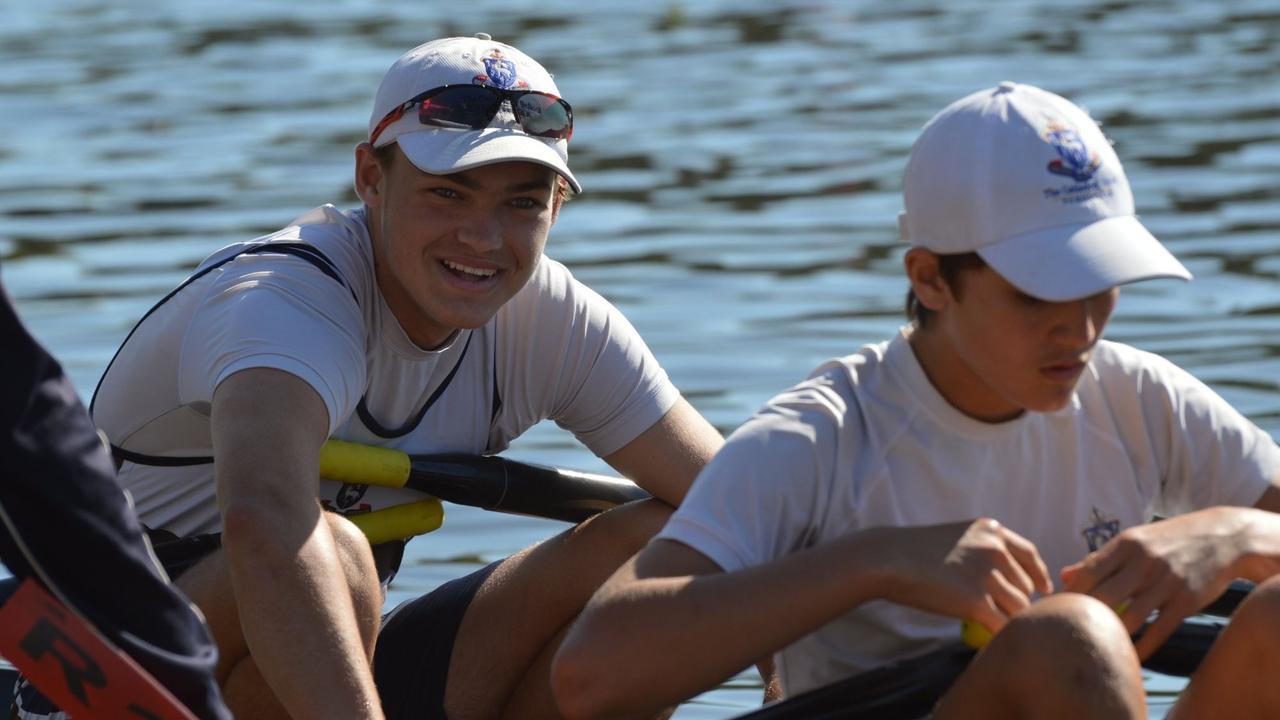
point(950, 268)
point(385, 154)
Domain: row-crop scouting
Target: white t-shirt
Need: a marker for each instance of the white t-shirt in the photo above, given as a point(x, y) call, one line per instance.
point(556, 350)
point(868, 441)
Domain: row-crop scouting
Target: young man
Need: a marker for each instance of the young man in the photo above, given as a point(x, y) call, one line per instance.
point(428, 320)
point(994, 450)
point(64, 521)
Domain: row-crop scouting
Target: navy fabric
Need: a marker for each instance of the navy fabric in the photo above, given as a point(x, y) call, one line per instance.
point(411, 659)
point(59, 495)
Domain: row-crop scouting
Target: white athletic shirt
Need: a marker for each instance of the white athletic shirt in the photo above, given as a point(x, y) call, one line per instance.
point(868, 441)
point(556, 350)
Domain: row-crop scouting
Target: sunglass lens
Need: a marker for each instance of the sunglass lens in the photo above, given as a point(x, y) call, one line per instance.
point(543, 115)
point(460, 106)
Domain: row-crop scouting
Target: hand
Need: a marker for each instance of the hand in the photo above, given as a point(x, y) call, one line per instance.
point(977, 570)
point(1175, 566)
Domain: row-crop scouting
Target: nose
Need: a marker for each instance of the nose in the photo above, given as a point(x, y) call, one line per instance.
point(1080, 322)
point(1075, 325)
point(481, 231)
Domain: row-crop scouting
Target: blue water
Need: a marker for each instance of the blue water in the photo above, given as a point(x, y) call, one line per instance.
point(742, 163)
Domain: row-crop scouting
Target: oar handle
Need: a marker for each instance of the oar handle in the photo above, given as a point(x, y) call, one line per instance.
point(483, 481)
point(348, 462)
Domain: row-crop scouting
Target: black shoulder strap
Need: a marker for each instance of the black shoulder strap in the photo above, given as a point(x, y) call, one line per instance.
point(383, 432)
point(299, 250)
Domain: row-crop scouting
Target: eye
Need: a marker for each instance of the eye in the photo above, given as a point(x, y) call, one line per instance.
point(525, 203)
point(1029, 300)
point(445, 192)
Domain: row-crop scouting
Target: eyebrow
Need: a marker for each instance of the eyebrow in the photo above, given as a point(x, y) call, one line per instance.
point(464, 179)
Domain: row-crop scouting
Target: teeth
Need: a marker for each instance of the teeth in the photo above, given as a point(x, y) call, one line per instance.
point(478, 272)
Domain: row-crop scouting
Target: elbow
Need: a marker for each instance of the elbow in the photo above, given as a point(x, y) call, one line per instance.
point(253, 530)
point(579, 683)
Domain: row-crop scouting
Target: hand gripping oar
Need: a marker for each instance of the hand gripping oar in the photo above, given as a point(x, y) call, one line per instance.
point(488, 482)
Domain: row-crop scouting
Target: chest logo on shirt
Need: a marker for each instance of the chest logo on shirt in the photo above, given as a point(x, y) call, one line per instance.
point(1103, 529)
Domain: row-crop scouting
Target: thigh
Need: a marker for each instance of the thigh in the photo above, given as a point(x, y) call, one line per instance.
point(1237, 678)
point(522, 607)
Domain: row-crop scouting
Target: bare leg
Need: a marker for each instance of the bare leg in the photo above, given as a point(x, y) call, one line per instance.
point(500, 665)
point(208, 584)
point(1068, 656)
point(1238, 678)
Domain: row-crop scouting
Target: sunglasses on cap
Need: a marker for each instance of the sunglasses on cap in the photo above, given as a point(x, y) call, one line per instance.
point(474, 107)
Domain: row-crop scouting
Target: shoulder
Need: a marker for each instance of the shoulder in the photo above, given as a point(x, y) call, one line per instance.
point(342, 237)
point(553, 298)
point(831, 401)
point(1117, 366)
point(553, 283)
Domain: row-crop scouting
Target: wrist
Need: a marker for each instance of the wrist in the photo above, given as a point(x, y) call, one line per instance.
point(1260, 546)
point(881, 568)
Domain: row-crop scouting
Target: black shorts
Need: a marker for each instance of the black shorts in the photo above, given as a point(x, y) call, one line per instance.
point(411, 661)
point(179, 554)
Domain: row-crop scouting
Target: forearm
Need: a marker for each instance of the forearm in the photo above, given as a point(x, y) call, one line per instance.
point(297, 615)
point(667, 457)
point(292, 595)
point(672, 637)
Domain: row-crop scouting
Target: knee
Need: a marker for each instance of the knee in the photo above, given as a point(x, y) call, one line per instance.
point(361, 573)
point(1260, 612)
point(1078, 630)
point(629, 527)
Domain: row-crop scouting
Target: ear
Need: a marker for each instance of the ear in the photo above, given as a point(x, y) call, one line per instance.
point(558, 194)
point(926, 281)
point(370, 178)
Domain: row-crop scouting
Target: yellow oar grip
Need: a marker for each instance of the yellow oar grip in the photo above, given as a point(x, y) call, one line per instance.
point(400, 521)
point(346, 462)
point(976, 635)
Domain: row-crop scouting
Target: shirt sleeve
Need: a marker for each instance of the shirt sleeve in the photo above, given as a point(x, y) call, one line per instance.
point(1213, 454)
point(571, 356)
point(282, 313)
point(765, 493)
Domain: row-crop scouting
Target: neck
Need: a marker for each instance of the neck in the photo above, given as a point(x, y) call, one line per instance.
point(955, 381)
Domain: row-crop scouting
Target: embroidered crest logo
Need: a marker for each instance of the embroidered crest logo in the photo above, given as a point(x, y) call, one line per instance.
point(1074, 159)
point(1103, 529)
point(499, 72)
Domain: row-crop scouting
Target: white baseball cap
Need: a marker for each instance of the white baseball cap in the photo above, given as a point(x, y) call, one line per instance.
point(1027, 180)
point(477, 60)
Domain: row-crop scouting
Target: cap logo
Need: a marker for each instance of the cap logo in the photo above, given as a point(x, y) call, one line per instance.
point(1077, 162)
point(1074, 159)
point(499, 72)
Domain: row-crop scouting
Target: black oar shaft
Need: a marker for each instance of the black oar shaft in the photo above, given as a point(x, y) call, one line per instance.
point(495, 483)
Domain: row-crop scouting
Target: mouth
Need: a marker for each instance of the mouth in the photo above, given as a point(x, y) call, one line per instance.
point(470, 275)
point(1063, 372)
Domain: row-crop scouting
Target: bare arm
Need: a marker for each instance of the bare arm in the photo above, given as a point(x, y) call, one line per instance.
point(294, 603)
point(670, 624)
point(667, 457)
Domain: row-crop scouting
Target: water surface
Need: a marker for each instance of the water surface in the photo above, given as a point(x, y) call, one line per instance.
point(742, 164)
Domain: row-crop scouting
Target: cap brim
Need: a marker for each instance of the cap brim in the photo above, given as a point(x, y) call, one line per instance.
point(441, 152)
point(1075, 261)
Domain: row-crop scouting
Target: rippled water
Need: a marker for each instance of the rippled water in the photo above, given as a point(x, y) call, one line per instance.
point(741, 160)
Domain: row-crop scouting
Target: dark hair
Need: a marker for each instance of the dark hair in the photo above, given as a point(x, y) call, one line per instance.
point(950, 267)
point(385, 154)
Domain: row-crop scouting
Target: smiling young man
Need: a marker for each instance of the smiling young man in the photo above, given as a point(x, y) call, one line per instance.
point(996, 449)
point(427, 320)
